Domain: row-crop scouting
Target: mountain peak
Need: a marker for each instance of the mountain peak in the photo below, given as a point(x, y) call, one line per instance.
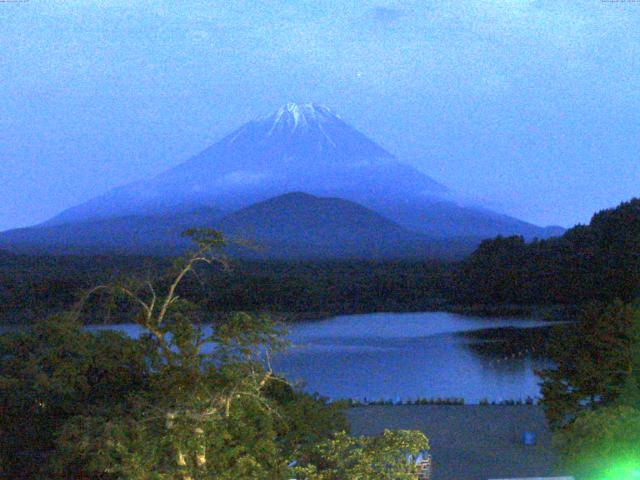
point(294, 115)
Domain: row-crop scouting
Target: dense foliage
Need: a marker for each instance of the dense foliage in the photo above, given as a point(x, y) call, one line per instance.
point(599, 261)
point(184, 401)
point(33, 288)
point(602, 444)
point(593, 359)
point(52, 372)
point(592, 399)
point(347, 457)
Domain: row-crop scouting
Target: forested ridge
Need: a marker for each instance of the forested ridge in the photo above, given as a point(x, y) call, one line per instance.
point(595, 262)
point(599, 261)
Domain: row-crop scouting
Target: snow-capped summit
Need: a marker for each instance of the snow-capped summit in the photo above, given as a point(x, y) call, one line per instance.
point(292, 116)
point(304, 131)
point(302, 114)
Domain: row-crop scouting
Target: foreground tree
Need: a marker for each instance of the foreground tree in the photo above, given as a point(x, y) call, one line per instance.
point(593, 360)
point(388, 456)
point(602, 444)
point(202, 401)
point(205, 413)
point(597, 421)
point(52, 372)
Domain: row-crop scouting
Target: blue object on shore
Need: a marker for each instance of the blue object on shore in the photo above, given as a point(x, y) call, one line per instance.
point(529, 438)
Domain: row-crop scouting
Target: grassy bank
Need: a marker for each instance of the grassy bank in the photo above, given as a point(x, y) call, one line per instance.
point(469, 442)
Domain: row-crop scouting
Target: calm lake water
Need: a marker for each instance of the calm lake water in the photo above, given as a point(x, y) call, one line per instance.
point(404, 356)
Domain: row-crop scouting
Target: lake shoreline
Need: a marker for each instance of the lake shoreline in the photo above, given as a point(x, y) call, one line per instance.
point(544, 312)
point(558, 313)
point(438, 401)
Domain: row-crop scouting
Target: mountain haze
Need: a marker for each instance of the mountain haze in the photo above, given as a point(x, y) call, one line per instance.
point(290, 226)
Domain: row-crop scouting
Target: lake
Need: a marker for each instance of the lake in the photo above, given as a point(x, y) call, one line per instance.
point(405, 356)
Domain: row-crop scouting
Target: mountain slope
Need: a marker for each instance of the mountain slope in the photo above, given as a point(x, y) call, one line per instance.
point(133, 234)
point(446, 219)
point(290, 226)
point(302, 225)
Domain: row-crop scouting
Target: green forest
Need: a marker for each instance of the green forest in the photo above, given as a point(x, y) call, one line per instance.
point(595, 262)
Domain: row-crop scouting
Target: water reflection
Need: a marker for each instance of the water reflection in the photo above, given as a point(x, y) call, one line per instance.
point(412, 355)
point(406, 356)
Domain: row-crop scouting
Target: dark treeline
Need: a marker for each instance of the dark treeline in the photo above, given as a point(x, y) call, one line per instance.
point(331, 287)
point(34, 287)
point(595, 262)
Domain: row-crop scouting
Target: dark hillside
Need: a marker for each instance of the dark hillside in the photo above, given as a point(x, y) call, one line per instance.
point(599, 261)
point(302, 226)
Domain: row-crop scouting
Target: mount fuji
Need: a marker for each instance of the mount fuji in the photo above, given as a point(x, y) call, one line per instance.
point(299, 148)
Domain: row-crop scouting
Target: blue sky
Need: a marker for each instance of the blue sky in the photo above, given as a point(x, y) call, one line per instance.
point(529, 106)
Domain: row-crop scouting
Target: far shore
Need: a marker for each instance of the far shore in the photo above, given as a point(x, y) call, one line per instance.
point(543, 312)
